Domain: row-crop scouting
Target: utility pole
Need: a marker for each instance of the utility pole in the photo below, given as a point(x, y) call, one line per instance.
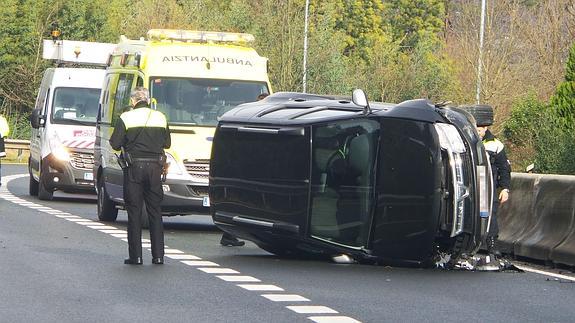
point(304, 80)
point(480, 60)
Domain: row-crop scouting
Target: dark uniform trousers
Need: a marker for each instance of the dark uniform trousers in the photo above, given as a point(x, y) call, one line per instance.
point(143, 183)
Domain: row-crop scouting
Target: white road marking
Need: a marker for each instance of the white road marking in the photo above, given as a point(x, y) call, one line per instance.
point(112, 231)
point(210, 270)
point(199, 263)
point(285, 298)
point(171, 250)
point(304, 309)
point(183, 257)
point(262, 287)
point(546, 273)
point(208, 267)
point(239, 279)
point(333, 319)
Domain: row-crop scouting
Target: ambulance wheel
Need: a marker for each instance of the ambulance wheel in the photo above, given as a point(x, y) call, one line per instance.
point(107, 210)
point(44, 193)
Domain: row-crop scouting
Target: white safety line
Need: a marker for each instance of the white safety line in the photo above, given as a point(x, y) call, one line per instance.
point(208, 267)
point(546, 273)
point(333, 319)
point(285, 298)
point(312, 309)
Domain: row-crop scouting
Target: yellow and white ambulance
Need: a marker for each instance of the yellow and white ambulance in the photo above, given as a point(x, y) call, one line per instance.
point(64, 118)
point(193, 77)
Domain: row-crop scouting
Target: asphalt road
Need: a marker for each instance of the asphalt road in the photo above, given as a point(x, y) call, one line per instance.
point(59, 264)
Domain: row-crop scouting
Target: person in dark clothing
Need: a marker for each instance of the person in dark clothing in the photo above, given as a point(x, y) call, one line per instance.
point(143, 134)
point(501, 181)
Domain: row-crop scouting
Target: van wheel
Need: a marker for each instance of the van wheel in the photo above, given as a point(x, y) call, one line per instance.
point(33, 186)
point(44, 193)
point(107, 210)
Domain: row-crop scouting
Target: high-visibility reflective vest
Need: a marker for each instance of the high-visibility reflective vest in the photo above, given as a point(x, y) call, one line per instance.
point(4, 127)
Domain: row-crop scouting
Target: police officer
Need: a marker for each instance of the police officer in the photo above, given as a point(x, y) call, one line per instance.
point(501, 180)
point(143, 134)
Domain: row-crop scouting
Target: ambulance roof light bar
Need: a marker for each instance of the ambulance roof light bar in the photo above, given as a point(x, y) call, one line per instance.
point(199, 36)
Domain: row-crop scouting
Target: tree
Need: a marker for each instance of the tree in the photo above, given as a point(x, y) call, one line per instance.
point(563, 101)
point(411, 20)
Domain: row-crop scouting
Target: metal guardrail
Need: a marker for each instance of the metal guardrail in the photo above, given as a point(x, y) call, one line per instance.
point(19, 145)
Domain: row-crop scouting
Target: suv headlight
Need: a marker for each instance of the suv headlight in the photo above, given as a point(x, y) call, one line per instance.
point(451, 141)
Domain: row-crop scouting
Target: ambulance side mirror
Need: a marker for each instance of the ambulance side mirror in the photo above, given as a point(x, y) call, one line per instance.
point(36, 120)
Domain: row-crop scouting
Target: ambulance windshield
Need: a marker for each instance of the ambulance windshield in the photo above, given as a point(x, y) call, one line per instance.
point(75, 105)
point(201, 101)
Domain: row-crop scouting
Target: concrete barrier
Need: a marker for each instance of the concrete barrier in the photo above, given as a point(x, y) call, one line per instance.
point(515, 216)
point(539, 220)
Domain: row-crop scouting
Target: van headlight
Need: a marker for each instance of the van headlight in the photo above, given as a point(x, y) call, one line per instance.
point(61, 153)
point(174, 168)
point(451, 141)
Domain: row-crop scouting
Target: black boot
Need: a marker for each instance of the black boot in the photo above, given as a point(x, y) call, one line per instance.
point(231, 241)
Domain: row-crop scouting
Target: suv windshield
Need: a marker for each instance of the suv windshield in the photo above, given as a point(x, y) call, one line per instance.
point(201, 101)
point(75, 105)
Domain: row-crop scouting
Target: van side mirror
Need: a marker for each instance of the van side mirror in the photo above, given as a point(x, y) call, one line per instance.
point(358, 97)
point(36, 120)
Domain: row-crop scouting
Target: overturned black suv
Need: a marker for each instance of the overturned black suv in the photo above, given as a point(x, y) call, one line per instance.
point(403, 184)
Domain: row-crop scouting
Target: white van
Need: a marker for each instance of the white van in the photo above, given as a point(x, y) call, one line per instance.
point(64, 120)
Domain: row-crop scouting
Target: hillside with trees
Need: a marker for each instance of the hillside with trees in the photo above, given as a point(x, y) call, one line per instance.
point(394, 49)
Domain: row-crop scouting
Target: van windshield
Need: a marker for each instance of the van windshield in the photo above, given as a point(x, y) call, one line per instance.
point(75, 105)
point(201, 101)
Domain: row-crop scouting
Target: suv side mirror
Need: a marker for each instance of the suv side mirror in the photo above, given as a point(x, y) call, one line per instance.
point(36, 120)
point(358, 97)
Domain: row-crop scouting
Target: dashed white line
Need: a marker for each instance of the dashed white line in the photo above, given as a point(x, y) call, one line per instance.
point(285, 298)
point(183, 257)
point(333, 319)
point(239, 279)
point(211, 270)
point(303, 309)
point(112, 231)
point(262, 287)
point(199, 263)
point(171, 250)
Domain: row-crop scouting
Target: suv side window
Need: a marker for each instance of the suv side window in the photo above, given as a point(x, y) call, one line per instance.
point(122, 97)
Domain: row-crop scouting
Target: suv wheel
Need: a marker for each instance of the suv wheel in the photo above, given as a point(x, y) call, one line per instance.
point(107, 210)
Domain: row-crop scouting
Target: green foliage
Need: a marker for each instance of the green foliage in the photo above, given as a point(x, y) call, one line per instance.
point(361, 21)
point(536, 135)
point(563, 101)
point(412, 20)
point(522, 127)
